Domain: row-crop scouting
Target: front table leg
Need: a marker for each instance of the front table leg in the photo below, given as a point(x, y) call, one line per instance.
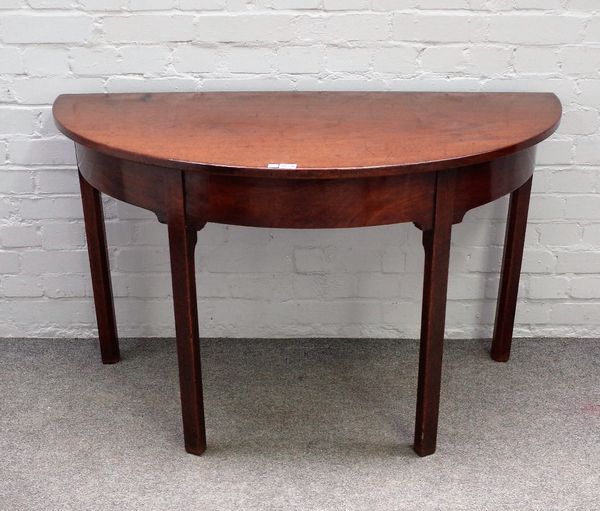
point(433, 315)
point(182, 241)
point(95, 232)
point(511, 272)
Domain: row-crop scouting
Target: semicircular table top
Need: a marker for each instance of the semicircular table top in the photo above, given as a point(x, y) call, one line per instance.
point(316, 131)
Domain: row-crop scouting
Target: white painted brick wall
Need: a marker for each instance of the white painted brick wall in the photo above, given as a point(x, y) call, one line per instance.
point(261, 282)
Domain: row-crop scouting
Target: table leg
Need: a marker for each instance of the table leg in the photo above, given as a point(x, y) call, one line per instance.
point(93, 216)
point(435, 284)
point(514, 242)
point(182, 242)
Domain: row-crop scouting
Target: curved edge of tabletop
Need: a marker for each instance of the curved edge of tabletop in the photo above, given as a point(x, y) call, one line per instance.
point(310, 173)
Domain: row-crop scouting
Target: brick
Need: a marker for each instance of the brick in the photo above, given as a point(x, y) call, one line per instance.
point(356, 27)
point(300, 59)
point(46, 313)
point(66, 286)
point(45, 90)
point(46, 61)
point(488, 60)
point(585, 287)
point(583, 5)
point(248, 60)
point(464, 287)
point(516, 29)
point(9, 262)
point(144, 259)
point(592, 31)
point(253, 259)
point(15, 181)
point(119, 233)
point(95, 61)
point(149, 285)
point(579, 122)
point(38, 262)
point(51, 181)
point(546, 207)
point(395, 60)
point(549, 288)
point(535, 314)
point(16, 121)
point(449, 59)
point(18, 236)
point(479, 259)
point(297, 4)
point(580, 60)
point(590, 93)
point(477, 233)
point(345, 5)
point(536, 60)
point(103, 5)
point(348, 59)
point(150, 233)
point(21, 286)
point(374, 285)
point(583, 207)
point(46, 125)
point(245, 28)
point(129, 212)
point(63, 236)
point(56, 208)
point(144, 59)
point(6, 89)
point(53, 151)
point(29, 28)
point(154, 84)
point(591, 234)
point(194, 59)
point(578, 262)
point(151, 5)
point(555, 151)
point(5, 208)
point(576, 313)
point(587, 150)
point(12, 60)
point(52, 4)
point(438, 27)
point(149, 28)
point(393, 260)
point(556, 234)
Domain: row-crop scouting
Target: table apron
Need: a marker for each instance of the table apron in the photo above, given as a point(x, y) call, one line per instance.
point(303, 203)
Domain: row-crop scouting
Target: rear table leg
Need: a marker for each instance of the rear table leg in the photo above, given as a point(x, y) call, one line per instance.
point(511, 272)
point(93, 216)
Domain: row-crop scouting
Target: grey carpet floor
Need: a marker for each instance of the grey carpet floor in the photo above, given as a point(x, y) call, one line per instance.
point(299, 425)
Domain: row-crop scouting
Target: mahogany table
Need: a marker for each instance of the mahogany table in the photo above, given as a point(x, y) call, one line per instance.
point(307, 160)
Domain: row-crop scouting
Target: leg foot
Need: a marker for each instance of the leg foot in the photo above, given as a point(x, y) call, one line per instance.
point(516, 226)
point(93, 216)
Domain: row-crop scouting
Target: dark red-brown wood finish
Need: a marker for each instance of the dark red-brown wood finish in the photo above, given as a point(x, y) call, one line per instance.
point(361, 158)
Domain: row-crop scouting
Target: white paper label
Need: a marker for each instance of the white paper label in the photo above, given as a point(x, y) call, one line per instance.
point(282, 166)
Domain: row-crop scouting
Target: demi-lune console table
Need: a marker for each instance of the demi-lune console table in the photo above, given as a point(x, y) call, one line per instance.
point(307, 160)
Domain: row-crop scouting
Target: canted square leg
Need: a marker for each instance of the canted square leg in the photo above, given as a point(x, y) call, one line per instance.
point(93, 216)
point(436, 243)
point(516, 226)
point(182, 242)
